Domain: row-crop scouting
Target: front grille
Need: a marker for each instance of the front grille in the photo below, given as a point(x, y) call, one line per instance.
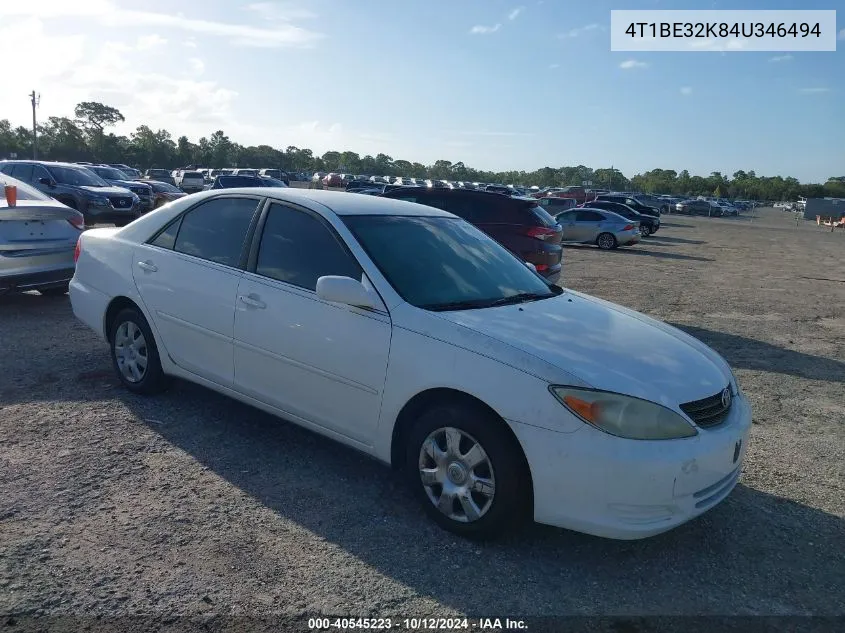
point(708, 411)
point(120, 202)
point(140, 191)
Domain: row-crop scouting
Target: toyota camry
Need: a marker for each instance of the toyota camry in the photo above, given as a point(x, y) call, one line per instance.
point(409, 334)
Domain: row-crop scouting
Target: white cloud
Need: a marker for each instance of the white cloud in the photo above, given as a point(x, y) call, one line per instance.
point(280, 11)
point(580, 31)
point(480, 29)
point(114, 73)
point(149, 42)
point(190, 43)
point(630, 64)
point(197, 65)
point(686, 91)
point(812, 91)
point(107, 13)
point(513, 15)
point(780, 58)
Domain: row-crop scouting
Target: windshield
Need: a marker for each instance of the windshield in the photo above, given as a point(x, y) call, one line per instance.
point(228, 182)
point(77, 177)
point(453, 265)
point(109, 173)
point(25, 192)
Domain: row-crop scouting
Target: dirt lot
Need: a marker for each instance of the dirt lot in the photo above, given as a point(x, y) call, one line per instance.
point(190, 503)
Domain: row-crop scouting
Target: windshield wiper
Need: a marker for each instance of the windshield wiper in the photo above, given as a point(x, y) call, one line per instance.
point(522, 297)
point(458, 305)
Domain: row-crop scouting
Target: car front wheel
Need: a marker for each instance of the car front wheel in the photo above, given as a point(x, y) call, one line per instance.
point(645, 229)
point(466, 470)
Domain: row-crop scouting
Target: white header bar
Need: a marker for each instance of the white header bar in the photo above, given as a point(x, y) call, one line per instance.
point(732, 31)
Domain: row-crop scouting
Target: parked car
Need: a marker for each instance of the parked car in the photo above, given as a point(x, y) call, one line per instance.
point(556, 205)
point(435, 184)
point(164, 192)
point(579, 194)
point(630, 201)
point(190, 181)
point(693, 207)
point(278, 174)
point(648, 224)
point(161, 175)
point(502, 189)
point(359, 184)
point(234, 182)
point(519, 224)
point(131, 172)
point(244, 171)
point(605, 229)
point(116, 177)
point(272, 182)
point(38, 235)
point(500, 395)
point(333, 180)
point(79, 188)
point(653, 201)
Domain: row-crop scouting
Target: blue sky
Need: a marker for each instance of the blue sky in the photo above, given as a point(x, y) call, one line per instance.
point(516, 84)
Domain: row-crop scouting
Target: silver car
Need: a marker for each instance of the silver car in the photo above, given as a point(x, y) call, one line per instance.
point(605, 229)
point(38, 237)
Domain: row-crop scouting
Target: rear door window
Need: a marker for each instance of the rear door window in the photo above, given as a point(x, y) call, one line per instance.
point(590, 216)
point(23, 172)
point(216, 230)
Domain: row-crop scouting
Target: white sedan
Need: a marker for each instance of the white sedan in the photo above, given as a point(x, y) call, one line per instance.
point(407, 333)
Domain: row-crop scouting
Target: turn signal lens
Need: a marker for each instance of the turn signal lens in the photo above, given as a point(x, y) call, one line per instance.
point(587, 410)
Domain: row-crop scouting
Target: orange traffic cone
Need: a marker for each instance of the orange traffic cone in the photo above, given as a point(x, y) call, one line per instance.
point(11, 195)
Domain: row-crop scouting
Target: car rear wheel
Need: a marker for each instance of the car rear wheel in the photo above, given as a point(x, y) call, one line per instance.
point(134, 353)
point(606, 241)
point(645, 229)
point(466, 471)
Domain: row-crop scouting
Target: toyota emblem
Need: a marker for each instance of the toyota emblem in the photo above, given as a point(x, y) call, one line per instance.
point(726, 398)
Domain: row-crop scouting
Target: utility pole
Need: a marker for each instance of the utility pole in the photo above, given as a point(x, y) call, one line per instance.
point(34, 99)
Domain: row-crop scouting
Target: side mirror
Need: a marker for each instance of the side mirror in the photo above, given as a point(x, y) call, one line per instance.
point(48, 182)
point(531, 267)
point(345, 290)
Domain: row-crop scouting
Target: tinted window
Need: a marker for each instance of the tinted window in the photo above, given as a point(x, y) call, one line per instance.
point(590, 216)
point(39, 172)
point(298, 248)
point(216, 230)
point(7, 169)
point(568, 216)
point(541, 216)
point(23, 172)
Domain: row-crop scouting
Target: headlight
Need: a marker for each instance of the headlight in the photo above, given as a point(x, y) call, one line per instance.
point(624, 416)
point(100, 202)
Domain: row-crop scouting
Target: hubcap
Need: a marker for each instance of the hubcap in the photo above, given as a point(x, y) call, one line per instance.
point(130, 350)
point(605, 241)
point(457, 474)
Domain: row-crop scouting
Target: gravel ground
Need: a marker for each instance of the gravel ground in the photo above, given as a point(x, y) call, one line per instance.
point(190, 503)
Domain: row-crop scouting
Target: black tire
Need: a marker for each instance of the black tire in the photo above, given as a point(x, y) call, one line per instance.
point(58, 291)
point(603, 243)
point(510, 502)
point(645, 229)
point(153, 380)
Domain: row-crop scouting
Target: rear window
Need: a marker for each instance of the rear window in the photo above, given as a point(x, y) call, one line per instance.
point(191, 174)
point(542, 216)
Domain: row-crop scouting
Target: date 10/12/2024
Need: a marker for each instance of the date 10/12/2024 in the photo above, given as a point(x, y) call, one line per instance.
point(417, 624)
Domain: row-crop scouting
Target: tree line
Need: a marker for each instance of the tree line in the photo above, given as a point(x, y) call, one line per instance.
point(84, 138)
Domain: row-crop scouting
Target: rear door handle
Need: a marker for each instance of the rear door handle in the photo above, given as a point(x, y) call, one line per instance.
point(149, 266)
point(252, 301)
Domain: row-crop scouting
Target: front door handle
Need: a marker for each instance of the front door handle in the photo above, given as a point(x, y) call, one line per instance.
point(252, 301)
point(148, 266)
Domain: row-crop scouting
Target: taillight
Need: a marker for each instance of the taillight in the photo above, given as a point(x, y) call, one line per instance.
point(628, 227)
point(541, 267)
point(541, 232)
point(77, 221)
point(77, 250)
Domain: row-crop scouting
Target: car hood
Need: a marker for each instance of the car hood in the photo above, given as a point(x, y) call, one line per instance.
point(607, 346)
point(126, 183)
point(108, 191)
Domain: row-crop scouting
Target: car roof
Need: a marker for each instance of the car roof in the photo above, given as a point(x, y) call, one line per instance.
point(343, 203)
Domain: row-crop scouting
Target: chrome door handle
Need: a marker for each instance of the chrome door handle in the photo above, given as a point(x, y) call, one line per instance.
point(253, 301)
point(149, 266)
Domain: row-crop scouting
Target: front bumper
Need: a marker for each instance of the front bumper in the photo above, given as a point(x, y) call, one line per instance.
point(607, 486)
